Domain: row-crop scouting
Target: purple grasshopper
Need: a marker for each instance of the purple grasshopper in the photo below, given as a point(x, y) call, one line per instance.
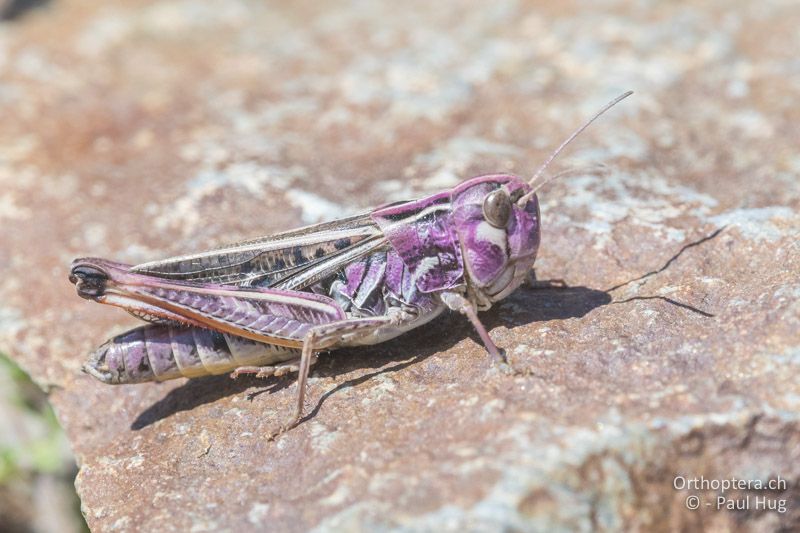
point(269, 306)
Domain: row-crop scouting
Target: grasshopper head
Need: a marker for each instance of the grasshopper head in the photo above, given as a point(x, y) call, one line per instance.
point(497, 221)
point(499, 235)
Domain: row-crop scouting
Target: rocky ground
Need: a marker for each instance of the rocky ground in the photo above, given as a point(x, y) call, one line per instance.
point(137, 130)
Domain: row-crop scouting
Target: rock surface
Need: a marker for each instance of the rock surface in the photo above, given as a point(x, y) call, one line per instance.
point(136, 130)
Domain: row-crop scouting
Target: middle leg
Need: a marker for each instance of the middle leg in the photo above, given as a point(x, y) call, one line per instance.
point(458, 302)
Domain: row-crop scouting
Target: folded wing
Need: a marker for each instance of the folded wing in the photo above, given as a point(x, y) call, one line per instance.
point(274, 260)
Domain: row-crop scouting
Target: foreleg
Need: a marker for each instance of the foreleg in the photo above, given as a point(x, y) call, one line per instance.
point(458, 302)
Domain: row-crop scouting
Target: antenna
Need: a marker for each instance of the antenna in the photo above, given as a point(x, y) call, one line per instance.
point(532, 182)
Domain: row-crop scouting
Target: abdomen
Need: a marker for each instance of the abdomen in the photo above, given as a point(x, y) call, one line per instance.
point(161, 352)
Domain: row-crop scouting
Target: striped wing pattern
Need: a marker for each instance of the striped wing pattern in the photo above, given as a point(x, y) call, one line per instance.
point(269, 261)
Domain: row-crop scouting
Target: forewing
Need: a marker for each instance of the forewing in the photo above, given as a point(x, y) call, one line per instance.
point(271, 260)
point(330, 265)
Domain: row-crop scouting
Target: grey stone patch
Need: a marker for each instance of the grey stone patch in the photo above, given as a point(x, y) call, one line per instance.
point(759, 224)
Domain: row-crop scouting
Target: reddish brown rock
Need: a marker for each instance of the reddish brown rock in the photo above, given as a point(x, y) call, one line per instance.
point(139, 130)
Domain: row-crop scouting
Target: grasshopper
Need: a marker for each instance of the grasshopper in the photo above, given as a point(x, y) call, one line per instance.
point(269, 306)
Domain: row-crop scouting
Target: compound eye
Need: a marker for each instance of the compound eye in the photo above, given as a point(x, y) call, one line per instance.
point(497, 208)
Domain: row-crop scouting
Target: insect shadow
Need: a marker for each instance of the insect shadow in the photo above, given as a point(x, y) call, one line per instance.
point(540, 302)
point(547, 304)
